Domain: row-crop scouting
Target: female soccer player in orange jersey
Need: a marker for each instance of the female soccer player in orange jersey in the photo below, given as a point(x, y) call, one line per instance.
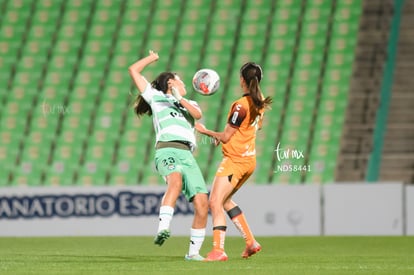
point(239, 160)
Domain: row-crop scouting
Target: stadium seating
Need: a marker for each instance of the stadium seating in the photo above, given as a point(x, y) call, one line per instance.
point(334, 96)
point(66, 96)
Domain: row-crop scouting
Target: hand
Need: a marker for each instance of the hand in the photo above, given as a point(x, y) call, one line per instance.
point(216, 142)
point(176, 93)
point(154, 56)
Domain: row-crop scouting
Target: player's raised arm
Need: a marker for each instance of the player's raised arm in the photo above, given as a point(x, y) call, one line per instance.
point(194, 110)
point(178, 90)
point(136, 69)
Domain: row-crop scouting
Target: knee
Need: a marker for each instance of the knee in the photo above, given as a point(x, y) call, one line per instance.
point(214, 204)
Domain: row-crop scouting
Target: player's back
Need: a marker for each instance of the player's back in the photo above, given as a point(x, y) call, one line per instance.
point(244, 116)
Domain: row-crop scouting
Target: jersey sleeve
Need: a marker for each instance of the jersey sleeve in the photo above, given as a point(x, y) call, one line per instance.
point(237, 115)
point(149, 93)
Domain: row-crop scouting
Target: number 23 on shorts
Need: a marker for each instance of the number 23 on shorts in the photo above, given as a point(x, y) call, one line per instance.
point(169, 163)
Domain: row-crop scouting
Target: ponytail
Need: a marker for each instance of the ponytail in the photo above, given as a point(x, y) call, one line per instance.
point(252, 74)
point(141, 107)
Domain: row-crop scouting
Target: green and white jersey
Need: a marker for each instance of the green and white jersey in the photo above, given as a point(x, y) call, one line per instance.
point(171, 121)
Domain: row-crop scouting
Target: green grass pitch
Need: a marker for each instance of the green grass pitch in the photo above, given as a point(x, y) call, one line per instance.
point(138, 255)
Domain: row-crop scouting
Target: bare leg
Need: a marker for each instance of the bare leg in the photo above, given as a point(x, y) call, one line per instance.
point(220, 192)
point(200, 203)
point(174, 184)
point(198, 229)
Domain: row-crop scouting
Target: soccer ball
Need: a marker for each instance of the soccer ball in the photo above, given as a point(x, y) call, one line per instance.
point(206, 81)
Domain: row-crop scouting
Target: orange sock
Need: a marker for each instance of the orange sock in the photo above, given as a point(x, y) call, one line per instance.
point(219, 234)
point(239, 220)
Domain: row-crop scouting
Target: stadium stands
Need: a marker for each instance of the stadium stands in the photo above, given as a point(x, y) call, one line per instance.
point(364, 91)
point(66, 116)
point(396, 161)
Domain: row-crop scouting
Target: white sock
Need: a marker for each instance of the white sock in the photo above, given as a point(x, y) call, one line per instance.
point(165, 217)
point(196, 240)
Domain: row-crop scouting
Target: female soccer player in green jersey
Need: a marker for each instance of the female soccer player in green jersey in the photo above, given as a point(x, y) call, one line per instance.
point(173, 119)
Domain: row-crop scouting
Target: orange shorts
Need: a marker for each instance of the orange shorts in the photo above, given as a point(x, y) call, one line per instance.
point(238, 172)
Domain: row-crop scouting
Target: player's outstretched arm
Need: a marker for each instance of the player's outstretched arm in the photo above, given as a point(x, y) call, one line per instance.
point(136, 69)
point(223, 137)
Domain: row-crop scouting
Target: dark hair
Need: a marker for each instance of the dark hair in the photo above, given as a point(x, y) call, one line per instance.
point(252, 74)
point(141, 107)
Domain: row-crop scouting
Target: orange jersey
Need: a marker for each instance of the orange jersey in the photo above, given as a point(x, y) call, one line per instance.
point(244, 117)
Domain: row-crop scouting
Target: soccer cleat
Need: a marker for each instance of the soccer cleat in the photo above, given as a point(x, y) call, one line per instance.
point(196, 257)
point(251, 250)
point(162, 236)
point(216, 255)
